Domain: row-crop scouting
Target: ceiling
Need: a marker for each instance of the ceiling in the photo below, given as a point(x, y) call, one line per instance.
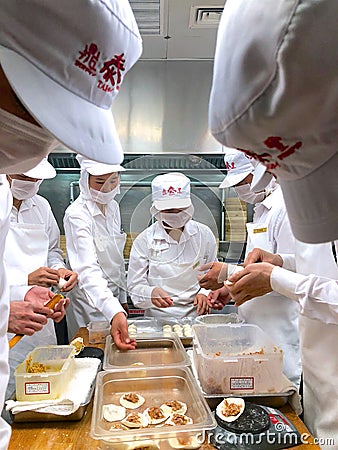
point(178, 29)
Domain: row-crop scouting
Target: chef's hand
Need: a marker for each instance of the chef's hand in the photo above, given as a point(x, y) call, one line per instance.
point(119, 332)
point(44, 276)
point(161, 298)
point(30, 315)
point(260, 255)
point(59, 310)
point(26, 318)
point(201, 302)
point(215, 277)
point(71, 278)
point(253, 281)
point(219, 298)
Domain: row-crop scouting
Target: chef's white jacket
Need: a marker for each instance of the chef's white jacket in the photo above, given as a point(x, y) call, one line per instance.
point(197, 243)
point(317, 295)
point(37, 210)
point(83, 219)
point(275, 313)
point(5, 207)
point(315, 287)
point(33, 211)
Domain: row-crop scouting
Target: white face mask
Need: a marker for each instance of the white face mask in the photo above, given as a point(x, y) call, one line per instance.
point(22, 144)
point(247, 195)
point(104, 197)
point(176, 220)
point(23, 189)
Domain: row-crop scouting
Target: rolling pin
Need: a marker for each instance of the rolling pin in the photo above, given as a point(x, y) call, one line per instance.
point(50, 304)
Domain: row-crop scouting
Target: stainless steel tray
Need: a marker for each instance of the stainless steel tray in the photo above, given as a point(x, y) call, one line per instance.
point(155, 325)
point(152, 350)
point(34, 416)
point(276, 400)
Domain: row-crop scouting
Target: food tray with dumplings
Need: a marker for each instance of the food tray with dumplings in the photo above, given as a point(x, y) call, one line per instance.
point(182, 327)
point(153, 408)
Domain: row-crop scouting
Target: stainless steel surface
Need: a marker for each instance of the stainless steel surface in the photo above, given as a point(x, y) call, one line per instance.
point(163, 107)
point(152, 350)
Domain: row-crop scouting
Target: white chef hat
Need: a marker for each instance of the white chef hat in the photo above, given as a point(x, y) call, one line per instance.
point(275, 96)
point(95, 168)
point(66, 61)
point(238, 166)
point(43, 171)
point(171, 190)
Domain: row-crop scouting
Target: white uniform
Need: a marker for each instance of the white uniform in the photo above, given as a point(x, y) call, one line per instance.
point(5, 207)
point(158, 260)
point(33, 241)
point(276, 314)
point(315, 287)
point(95, 245)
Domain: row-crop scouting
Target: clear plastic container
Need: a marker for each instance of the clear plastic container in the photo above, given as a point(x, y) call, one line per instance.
point(152, 350)
point(57, 361)
point(98, 331)
point(156, 386)
point(219, 319)
point(238, 359)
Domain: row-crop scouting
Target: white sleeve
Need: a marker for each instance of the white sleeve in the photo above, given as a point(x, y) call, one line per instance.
point(83, 260)
point(55, 259)
point(211, 253)
point(317, 295)
point(17, 293)
point(137, 278)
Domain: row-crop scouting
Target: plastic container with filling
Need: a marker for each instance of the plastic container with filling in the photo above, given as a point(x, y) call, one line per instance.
point(156, 386)
point(98, 331)
point(219, 319)
point(239, 359)
point(152, 350)
point(57, 361)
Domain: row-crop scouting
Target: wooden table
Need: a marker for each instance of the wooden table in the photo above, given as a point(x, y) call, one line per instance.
point(75, 435)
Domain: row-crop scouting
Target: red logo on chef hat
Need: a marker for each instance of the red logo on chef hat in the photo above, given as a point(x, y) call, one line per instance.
point(112, 69)
point(274, 143)
point(230, 166)
point(171, 191)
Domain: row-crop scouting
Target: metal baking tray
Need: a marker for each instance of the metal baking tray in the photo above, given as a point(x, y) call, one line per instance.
point(276, 400)
point(155, 325)
point(152, 350)
point(156, 386)
point(34, 416)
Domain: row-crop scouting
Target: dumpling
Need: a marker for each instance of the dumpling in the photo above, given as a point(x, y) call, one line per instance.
point(113, 413)
point(156, 415)
point(230, 409)
point(174, 406)
point(135, 420)
point(131, 400)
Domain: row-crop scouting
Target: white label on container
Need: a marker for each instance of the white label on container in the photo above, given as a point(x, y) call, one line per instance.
point(37, 387)
point(247, 383)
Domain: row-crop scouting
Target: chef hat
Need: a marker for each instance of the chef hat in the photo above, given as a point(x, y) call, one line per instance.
point(95, 168)
point(66, 61)
point(171, 190)
point(43, 171)
point(238, 166)
point(275, 96)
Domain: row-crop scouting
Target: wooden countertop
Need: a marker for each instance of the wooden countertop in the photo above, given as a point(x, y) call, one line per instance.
point(75, 435)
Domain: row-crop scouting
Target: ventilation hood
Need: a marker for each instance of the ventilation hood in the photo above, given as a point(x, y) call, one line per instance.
point(163, 103)
point(178, 29)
